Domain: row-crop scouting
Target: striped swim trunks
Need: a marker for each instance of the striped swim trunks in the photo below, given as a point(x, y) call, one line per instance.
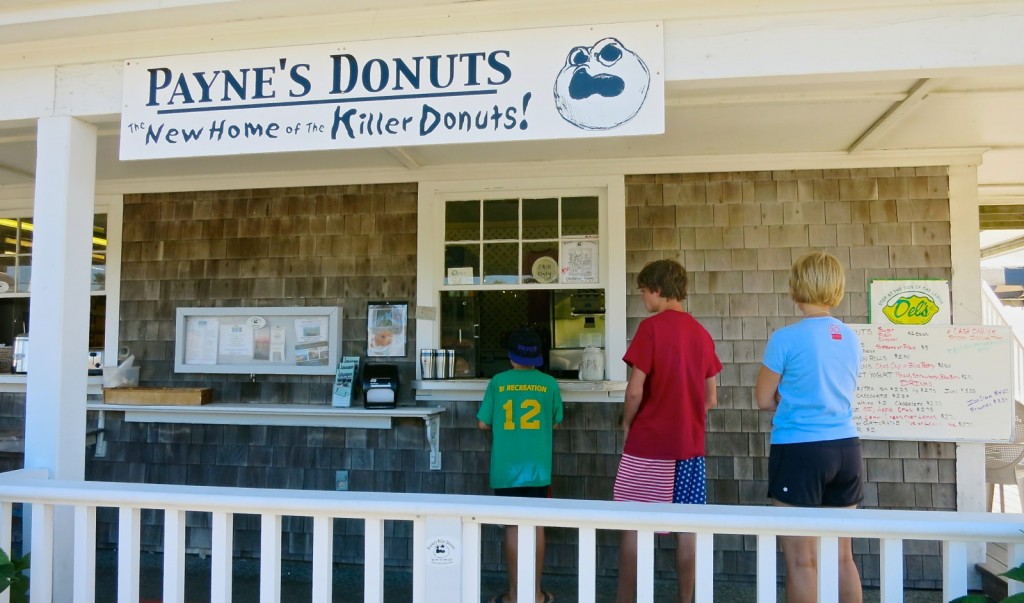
point(656, 480)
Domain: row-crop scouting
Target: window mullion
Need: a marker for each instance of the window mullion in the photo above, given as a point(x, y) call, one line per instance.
point(558, 239)
point(17, 255)
point(480, 242)
point(519, 247)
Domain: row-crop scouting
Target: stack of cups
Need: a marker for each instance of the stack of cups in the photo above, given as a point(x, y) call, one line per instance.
point(437, 364)
point(426, 364)
point(449, 364)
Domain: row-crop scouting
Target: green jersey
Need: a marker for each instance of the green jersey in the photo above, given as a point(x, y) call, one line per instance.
point(521, 407)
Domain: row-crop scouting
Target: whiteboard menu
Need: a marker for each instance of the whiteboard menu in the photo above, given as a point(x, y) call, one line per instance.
point(934, 383)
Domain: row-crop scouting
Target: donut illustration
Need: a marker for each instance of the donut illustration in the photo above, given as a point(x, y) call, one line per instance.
point(601, 86)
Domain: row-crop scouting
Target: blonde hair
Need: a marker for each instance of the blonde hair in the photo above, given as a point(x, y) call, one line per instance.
point(817, 278)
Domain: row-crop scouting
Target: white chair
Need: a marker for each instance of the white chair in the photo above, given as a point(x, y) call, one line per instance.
point(1003, 462)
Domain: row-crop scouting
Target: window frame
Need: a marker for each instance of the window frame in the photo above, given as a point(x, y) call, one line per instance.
point(610, 192)
point(112, 206)
point(558, 241)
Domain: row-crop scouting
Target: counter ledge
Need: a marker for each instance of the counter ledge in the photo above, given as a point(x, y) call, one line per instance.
point(300, 415)
point(428, 390)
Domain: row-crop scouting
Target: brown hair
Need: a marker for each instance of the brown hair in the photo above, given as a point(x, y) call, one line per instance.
point(817, 278)
point(667, 278)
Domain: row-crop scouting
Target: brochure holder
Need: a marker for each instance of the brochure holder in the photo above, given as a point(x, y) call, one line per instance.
point(345, 381)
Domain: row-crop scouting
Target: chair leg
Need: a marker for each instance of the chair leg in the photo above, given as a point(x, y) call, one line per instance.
point(990, 492)
point(1020, 489)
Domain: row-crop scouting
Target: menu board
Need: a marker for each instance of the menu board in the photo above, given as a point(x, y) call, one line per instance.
point(935, 383)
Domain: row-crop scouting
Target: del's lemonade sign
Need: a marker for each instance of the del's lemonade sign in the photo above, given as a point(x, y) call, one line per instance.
point(909, 302)
point(601, 80)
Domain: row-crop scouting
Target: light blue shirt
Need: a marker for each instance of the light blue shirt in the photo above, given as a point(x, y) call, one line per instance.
point(819, 360)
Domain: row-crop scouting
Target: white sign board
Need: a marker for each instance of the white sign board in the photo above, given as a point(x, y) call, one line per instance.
point(934, 383)
point(573, 82)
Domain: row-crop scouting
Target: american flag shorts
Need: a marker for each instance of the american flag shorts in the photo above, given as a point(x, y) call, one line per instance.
point(660, 481)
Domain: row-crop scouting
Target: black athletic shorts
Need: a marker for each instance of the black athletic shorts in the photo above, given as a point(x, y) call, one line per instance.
point(525, 491)
point(816, 474)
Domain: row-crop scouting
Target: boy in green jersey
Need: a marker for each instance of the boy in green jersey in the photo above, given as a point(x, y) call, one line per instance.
point(520, 408)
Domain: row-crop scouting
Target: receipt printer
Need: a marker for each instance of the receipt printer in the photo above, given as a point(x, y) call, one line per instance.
point(380, 385)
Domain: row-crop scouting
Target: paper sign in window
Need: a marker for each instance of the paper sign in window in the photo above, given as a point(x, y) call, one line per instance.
point(579, 261)
point(460, 276)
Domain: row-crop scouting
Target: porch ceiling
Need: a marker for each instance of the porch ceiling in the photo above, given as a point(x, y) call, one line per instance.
point(755, 118)
point(837, 114)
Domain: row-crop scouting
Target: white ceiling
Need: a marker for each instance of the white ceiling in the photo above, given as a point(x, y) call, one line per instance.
point(764, 118)
point(851, 114)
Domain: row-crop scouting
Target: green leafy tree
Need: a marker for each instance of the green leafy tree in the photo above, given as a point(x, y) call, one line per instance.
point(12, 575)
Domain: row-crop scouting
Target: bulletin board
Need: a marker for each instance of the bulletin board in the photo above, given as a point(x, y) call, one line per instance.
point(935, 383)
point(272, 341)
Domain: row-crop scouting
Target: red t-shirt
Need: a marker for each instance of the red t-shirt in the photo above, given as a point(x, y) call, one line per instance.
point(678, 356)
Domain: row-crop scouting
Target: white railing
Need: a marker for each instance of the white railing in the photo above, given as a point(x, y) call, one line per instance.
point(462, 517)
point(993, 312)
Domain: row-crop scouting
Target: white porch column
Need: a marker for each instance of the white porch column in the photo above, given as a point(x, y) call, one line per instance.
point(965, 247)
point(59, 316)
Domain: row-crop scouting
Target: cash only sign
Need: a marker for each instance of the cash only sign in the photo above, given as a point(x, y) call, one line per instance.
point(575, 82)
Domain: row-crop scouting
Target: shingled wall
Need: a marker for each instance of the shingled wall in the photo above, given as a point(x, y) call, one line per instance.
point(737, 234)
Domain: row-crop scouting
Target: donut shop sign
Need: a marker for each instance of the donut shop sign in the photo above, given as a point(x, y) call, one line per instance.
point(575, 82)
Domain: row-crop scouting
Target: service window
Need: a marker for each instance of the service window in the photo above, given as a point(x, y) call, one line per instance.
point(521, 260)
point(522, 241)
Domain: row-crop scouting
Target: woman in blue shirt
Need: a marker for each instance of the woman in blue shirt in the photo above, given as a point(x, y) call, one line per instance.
point(808, 378)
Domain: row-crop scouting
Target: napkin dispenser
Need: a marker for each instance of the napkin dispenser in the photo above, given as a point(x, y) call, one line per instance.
point(380, 385)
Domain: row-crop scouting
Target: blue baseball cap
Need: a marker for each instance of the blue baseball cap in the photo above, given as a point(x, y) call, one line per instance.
point(524, 347)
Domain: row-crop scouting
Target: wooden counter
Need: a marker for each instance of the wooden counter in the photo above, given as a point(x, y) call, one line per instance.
point(296, 415)
point(473, 390)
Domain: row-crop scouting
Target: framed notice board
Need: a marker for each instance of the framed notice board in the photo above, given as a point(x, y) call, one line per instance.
point(935, 383)
point(271, 341)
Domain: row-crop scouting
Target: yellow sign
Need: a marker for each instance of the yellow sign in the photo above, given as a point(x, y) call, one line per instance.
point(912, 310)
point(910, 302)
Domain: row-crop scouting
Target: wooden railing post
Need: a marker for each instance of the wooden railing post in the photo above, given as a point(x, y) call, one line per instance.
point(891, 570)
point(446, 536)
point(221, 556)
point(174, 556)
point(85, 553)
point(767, 572)
point(270, 558)
point(437, 556)
point(373, 561)
point(128, 552)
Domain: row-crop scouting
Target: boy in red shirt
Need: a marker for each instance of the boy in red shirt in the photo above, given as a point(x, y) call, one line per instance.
point(670, 389)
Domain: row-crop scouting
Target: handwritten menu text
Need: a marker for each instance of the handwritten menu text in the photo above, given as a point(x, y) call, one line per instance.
point(934, 383)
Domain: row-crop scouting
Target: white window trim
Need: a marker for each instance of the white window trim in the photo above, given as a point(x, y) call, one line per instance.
point(611, 192)
point(113, 207)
